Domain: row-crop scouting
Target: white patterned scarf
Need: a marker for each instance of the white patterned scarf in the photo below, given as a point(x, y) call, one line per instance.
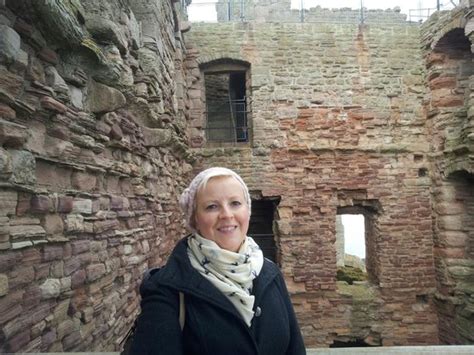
point(232, 273)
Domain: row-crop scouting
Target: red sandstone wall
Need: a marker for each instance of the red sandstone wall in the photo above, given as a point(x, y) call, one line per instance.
point(91, 161)
point(337, 121)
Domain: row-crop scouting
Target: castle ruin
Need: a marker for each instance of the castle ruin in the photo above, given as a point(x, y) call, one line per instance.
point(108, 107)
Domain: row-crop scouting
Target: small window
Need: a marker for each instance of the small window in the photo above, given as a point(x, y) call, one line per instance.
point(227, 101)
point(350, 241)
point(261, 227)
point(355, 244)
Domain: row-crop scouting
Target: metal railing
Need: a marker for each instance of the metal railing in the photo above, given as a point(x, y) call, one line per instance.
point(227, 121)
point(244, 10)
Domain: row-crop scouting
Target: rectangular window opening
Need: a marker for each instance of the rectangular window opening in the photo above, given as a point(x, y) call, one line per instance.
point(261, 226)
point(351, 247)
point(226, 107)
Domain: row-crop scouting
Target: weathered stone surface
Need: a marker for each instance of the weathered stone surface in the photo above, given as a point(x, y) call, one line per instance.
point(3, 284)
point(50, 288)
point(106, 30)
point(6, 112)
point(102, 98)
point(83, 206)
point(83, 181)
point(95, 271)
point(11, 134)
point(6, 168)
point(27, 231)
point(156, 137)
point(77, 97)
point(65, 204)
point(74, 223)
point(9, 44)
point(54, 80)
point(53, 224)
point(53, 105)
point(24, 165)
point(40, 204)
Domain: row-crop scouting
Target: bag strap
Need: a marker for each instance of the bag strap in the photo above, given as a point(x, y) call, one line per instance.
point(182, 311)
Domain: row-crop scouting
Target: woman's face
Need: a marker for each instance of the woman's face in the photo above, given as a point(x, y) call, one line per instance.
point(222, 213)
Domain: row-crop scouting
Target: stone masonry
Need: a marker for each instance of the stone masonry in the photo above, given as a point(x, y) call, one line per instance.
point(102, 123)
point(349, 117)
point(92, 157)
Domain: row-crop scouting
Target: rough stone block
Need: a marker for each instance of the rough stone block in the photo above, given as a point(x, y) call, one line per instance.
point(82, 206)
point(102, 98)
point(49, 103)
point(80, 246)
point(48, 55)
point(24, 167)
point(3, 284)
point(6, 168)
point(78, 278)
point(10, 42)
point(95, 271)
point(83, 181)
point(11, 134)
point(53, 224)
point(102, 226)
point(8, 201)
point(10, 306)
point(74, 223)
point(40, 204)
point(6, 112)
point(21, 276)
point(53, 252)
point(65, 204)
point(27, 231)
point(50, 288)
point(18, 341)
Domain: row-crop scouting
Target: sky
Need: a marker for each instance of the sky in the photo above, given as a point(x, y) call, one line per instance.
point(354, 234)
point(204, 10)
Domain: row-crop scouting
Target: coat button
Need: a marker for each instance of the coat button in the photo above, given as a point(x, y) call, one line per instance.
point(258, 311)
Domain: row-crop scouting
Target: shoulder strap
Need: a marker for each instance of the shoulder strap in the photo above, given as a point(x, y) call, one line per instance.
point(182, 311)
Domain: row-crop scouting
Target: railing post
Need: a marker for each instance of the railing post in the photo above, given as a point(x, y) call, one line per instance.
point(302, 11)
point(362, 19)
point(242, 10)
point(438, 5)
point(228, 11)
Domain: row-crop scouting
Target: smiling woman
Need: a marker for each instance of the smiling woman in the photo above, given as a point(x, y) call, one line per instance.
point(236, 301)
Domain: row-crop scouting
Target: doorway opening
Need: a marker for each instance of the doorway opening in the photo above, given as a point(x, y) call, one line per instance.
point(261, 226)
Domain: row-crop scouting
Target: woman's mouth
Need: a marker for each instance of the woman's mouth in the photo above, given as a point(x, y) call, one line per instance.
point(226, 229)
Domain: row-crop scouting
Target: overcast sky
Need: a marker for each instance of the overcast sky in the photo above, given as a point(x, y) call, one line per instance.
point(204, 10)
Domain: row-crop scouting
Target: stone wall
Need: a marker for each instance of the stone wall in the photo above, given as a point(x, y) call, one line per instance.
point(92, 157)
point(280, 11)
point(448, 42)
point(338, 122)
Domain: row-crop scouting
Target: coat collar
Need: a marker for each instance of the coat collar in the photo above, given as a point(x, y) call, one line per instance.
point(179, 274)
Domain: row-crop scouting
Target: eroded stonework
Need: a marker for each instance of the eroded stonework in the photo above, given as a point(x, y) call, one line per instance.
point(93, 155)
point(102, 122)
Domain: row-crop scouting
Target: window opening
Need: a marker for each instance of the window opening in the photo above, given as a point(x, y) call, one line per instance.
point(351, 244)
point(261, 226)
point(226, 107)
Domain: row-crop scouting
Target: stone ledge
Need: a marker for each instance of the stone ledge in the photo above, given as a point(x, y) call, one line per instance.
point(388, 350)
point(415, 350)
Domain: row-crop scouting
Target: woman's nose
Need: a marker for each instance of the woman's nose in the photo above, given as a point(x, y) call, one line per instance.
point(225, 212)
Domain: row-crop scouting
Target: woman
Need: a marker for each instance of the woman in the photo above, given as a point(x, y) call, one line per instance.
point(236, 301)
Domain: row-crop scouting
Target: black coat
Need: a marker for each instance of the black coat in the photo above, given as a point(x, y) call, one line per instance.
point(212, 324)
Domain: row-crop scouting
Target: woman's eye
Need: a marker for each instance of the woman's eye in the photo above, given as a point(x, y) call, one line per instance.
point(236, 203)
point(211, 207)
